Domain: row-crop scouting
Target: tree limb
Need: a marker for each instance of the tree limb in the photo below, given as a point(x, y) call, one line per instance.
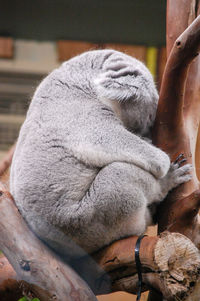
point(171, 137)
point(180, 100)
point(40, 273)
point(45, 275)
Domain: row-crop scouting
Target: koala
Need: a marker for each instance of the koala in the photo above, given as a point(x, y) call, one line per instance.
point(84, 172)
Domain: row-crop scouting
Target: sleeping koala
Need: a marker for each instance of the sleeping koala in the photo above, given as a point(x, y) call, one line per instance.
point(82, 174)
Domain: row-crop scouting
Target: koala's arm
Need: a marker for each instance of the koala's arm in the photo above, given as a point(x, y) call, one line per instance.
point(122, 79)
point(111, 142)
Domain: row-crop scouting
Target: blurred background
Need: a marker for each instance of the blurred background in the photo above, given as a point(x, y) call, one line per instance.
point(36, 36)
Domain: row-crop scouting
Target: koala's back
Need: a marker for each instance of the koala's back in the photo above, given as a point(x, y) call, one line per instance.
point(44, 169)
point(61, 113)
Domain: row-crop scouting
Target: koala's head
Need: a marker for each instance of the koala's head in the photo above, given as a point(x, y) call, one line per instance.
point(121, 82)
point(126, 85)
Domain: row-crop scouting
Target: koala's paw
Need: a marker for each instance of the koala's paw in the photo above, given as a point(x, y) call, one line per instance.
point(178, 173)
point(160, 164)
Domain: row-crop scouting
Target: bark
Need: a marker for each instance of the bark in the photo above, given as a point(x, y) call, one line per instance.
point(170, 263)
point(172, 131)
point(10, 288)
point(178, 119)
point(40, 271)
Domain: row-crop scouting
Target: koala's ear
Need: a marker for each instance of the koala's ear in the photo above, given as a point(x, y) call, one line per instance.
point(118, 82)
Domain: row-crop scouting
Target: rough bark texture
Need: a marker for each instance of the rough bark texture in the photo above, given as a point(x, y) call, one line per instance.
point(172, 126)
point(177, 123)
point(39, 269)
point(170, 263)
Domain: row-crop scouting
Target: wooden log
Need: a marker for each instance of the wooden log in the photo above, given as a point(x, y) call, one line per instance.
point(41, 274)
point(170, 263)
point(10, 287)
point(44, 273)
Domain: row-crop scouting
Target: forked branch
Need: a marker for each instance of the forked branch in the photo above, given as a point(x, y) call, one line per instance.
point(174, 136)
point(41, 274)
point(177, 122)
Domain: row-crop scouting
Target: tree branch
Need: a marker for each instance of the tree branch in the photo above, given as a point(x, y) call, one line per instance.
point(41, 274)
point(45, 275)
point(178, 118)
point(171, 137)
point(170, 108)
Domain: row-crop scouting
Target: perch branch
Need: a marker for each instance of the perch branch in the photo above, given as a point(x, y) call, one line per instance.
point(174, 279)
point(41, 274)
point(47, 277)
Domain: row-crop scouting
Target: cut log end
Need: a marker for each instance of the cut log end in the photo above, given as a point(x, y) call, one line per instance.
point(172, 268)
point(178, 261)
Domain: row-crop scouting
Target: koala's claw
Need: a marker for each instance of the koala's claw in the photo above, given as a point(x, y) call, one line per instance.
point(178, 161)
point(179, 157)
point(182, 161)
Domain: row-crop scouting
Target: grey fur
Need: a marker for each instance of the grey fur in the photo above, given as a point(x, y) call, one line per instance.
point(82, 175)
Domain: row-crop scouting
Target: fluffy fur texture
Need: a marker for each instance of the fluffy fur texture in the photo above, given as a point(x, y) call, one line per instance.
point(82, 175)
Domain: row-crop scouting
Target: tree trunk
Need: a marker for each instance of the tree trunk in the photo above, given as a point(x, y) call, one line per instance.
point(178, 120)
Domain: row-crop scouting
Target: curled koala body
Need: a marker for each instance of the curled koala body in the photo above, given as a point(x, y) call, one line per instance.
point(82, 174)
